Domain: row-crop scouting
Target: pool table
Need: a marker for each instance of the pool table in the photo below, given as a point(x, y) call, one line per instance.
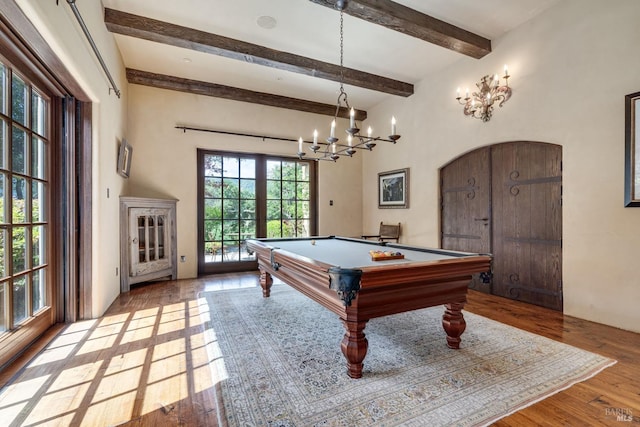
point(340, 274)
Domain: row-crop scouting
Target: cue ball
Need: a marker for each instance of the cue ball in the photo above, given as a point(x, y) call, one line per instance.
point(313, 242)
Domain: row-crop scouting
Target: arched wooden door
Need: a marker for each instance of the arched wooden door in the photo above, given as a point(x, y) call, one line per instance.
point(506, 199)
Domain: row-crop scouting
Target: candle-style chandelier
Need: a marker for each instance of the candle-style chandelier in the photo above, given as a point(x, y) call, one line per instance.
point(480, 104)
point(333, 150)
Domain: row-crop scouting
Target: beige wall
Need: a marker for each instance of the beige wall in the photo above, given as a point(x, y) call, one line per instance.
point(59, 27)
point(571, 68)
point(164, 158)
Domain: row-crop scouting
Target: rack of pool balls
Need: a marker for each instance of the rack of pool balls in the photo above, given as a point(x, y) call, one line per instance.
point(385, 255)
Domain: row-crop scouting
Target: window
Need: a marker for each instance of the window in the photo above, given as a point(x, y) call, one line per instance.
point(244, 196)
point(24, 188)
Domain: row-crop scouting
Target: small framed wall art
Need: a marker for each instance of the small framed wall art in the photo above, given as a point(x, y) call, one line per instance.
point(124, 158)
point(393, 189)
point(631, 152)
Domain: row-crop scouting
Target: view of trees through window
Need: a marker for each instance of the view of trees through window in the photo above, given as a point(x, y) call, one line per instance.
point(288, 200)
point(239, 190)
point(23, 187)
point(229, 206)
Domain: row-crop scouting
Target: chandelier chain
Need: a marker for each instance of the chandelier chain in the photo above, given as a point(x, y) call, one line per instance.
point(342, 94)
point(355, 141)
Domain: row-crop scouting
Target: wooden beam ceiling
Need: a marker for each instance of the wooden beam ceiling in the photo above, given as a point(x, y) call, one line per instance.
point(189, 38)
point(163, 81)
point(411, 22)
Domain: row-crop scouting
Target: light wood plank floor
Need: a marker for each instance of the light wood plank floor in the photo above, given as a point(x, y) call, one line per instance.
point(144, 363)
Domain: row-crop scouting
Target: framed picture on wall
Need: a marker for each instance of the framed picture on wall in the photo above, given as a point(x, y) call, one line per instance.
point(393, 189)
point(124, 158)
point(631, 152)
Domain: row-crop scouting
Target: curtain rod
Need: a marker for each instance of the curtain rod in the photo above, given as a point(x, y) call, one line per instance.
point(76, 12)
point(226, 132)
point(265, 137)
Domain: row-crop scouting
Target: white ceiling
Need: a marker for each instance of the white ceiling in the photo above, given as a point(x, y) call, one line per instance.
point(311, 30)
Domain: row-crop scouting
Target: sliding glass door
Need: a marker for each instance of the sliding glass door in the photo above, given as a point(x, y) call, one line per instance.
point(244, 196)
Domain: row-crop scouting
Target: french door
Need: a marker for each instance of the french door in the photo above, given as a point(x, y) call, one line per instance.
point(244, 196)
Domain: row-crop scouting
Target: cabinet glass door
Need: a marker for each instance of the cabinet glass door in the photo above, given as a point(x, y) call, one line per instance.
point(148, 249)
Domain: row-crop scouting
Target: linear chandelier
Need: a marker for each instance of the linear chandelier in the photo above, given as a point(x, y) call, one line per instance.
point(480, 104)
point(333, 149)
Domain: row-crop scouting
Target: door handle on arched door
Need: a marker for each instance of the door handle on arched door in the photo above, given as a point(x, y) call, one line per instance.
point(486, 220)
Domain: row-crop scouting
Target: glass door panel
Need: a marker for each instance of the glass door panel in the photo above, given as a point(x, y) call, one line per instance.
point(288, 199)
point(229, 207)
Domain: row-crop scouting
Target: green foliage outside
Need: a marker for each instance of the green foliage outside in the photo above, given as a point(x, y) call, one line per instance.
point(17, 235)
point(19, 255)
point(230, 202)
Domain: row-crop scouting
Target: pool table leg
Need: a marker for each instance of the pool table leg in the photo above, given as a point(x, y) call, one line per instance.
point(453, 323)
point(354, 346)
point(265, 282)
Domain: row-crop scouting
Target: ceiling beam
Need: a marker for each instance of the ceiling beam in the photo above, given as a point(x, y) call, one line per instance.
point(416, 24)
point(197, 87)
point(189, 38)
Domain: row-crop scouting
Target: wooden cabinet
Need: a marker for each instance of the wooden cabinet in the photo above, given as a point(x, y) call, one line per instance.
point(147, 240)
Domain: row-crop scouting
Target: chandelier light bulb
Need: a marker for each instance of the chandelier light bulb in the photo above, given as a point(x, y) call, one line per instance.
point(333, 129)
point(369, 131)
point(393, 125)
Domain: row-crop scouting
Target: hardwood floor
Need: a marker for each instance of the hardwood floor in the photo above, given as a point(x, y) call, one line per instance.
point(144, 363)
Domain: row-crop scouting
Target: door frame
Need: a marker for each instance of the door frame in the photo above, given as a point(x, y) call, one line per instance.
point(261, 214)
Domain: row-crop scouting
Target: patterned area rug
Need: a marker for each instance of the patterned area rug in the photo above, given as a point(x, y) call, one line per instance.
point(279, 363)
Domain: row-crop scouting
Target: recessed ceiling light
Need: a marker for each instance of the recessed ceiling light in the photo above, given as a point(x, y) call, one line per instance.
point(267, 22)
point(187, 60)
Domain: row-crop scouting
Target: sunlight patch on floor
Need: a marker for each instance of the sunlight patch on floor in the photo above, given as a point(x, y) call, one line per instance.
point(110, 412)
point(58, 404)
point(117, 368)
point(126, 361)
point(54, 355)
point(75, 376)
point(214, 353)
point(21, 392)
point(163, 394)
